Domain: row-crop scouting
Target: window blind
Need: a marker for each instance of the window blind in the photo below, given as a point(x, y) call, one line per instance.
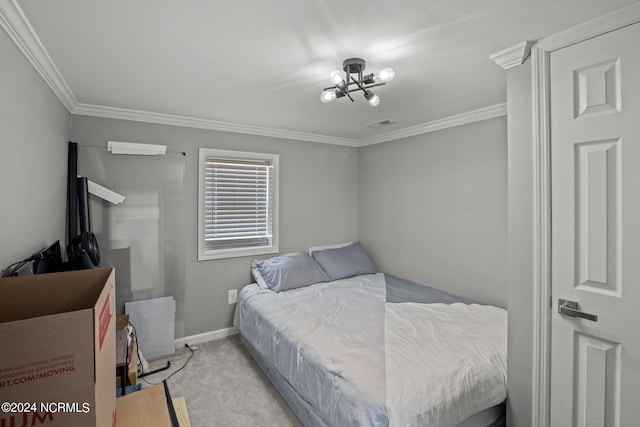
point(238, 203)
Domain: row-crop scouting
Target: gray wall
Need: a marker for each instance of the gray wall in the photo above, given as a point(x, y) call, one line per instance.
point(449, 188)
point(34, 131)
point(520, 244)
point(318, 202)
point(433, 209)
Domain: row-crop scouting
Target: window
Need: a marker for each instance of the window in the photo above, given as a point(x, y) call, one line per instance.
point(238, 200)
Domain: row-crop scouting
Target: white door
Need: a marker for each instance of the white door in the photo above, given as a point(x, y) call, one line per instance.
point(595, 211)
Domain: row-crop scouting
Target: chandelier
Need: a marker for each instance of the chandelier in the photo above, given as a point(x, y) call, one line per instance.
point(353, 80)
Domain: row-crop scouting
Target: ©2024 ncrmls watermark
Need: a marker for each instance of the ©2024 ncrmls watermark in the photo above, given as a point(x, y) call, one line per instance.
point(22, 414)
point(47, 407)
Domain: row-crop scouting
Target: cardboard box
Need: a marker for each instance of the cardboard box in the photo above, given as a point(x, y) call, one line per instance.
point(57, 363)
point(147, 407)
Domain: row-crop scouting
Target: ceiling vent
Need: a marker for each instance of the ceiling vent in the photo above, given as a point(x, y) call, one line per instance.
point(380, 124)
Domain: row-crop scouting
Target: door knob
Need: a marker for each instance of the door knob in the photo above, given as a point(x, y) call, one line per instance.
point(571, 308)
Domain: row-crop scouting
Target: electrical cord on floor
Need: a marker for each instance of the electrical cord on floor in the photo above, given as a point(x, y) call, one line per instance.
point(192, 349)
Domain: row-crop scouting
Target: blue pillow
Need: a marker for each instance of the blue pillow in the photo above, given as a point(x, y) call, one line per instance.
point(289, 272)
point(347, 261)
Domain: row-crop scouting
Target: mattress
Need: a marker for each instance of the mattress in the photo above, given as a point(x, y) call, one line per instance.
point(362, 352)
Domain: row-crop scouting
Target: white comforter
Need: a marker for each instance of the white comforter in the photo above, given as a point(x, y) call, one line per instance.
point(360, 361)
point(443, 362)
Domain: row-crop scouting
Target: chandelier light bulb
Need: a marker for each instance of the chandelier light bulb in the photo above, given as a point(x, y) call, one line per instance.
point(373, 99)
point(385, 75)
point(328, 95)
point(337, 79)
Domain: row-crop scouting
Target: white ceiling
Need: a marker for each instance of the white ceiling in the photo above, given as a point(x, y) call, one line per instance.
point(263, 64)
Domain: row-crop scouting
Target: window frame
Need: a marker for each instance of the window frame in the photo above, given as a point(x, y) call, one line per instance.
point(203, 253)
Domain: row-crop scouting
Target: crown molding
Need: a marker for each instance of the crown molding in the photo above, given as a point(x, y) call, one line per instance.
point(513, 56)
point(480, 114)
point(191, 122)
point(16, 25)
point(174, 120)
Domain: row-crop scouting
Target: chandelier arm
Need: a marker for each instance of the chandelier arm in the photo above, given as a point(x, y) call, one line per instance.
point(346, 86)
point(368, 86)
point(353, 83)
point(346, 92)
point(359, 85)
point(376, 84)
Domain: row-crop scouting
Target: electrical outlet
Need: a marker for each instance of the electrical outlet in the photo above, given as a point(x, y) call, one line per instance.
point(233, 296)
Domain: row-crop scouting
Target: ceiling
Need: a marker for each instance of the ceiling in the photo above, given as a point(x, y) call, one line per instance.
point(261, 65)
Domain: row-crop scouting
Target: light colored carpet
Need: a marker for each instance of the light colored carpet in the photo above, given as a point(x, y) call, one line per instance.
point(223, 386)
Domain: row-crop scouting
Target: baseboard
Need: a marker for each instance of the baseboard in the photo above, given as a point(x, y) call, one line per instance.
point(206, 336)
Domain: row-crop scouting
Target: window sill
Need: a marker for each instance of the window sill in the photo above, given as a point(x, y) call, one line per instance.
point(236, 253)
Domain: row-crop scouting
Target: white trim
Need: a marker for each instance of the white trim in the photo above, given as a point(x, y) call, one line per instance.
point(512, 56)
point(207, 336)
point(192, 122)
point(541, 386)
point(541, 390)
point(169, 119)
point(15, 23)
point(448, 122)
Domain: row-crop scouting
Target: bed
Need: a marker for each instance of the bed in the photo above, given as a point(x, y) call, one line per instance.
point(348, 346)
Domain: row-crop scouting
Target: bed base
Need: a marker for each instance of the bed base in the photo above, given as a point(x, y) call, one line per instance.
point(491, 417)
point(303, 410)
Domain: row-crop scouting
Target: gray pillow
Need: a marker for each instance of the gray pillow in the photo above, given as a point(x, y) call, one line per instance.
point(347, 261)
point(289, 272)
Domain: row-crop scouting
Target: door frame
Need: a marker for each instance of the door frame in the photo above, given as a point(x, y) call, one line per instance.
point(542, 301)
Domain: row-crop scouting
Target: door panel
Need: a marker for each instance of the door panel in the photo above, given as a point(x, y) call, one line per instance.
point(595, 237)
point(597, 177)
point(597, 381)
